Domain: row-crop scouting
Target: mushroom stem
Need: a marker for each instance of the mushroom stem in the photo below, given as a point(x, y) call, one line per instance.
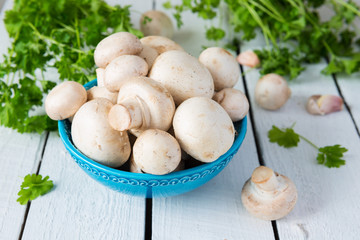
point(130, 113)
point(264, 178)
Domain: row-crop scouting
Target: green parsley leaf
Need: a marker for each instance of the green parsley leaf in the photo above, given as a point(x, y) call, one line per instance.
point(34, 186)
point(286, 138)
point(330, 156)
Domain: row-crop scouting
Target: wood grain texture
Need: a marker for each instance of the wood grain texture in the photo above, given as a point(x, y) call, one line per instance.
point(213, 211)
point(327, 206)
point(20, 155)
point(79, 207)
point(350, 87)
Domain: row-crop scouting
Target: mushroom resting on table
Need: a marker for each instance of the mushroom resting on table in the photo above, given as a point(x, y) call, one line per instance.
point(268, 195)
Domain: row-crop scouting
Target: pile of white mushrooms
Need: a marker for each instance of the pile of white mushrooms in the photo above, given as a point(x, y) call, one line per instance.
point(173, 105)
point(156, 107)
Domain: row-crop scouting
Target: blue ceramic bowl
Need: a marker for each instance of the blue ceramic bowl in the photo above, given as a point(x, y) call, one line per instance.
point(148, 185)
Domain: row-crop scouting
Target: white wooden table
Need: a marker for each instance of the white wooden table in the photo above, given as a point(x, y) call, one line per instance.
point(79, 208)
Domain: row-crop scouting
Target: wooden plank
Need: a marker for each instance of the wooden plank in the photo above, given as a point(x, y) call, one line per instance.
point(350, 86)
point(327, 206)
point(20, 155)
point(78, 207)
point(213, 211)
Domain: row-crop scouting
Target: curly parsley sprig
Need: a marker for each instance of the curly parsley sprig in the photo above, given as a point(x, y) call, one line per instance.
point(34, 186)
point(292, 29)
point(51, 34)
point(330, 156)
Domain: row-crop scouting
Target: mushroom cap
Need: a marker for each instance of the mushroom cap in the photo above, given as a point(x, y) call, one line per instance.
point(234, 102)
point(160, 24)
point(122, 68)
point(160, 44)
point(117, 44)
point(156, 98)
point(101, 92)
point(248, 58)
point(268, 195)
point(203, 129)
point(272, 91)
point(149, 54)
point(222, 65)
point(93, 136)
point(183, 75)
point(64, 100)
point(156, 152)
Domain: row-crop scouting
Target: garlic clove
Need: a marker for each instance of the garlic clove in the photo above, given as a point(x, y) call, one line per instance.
point(324, 104)
point(248, 58)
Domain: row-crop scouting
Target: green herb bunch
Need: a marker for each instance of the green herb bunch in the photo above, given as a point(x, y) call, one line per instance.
point(59, 34)
point(292, 29)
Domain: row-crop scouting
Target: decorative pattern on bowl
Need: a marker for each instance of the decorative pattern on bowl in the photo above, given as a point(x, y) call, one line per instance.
point(148, 185)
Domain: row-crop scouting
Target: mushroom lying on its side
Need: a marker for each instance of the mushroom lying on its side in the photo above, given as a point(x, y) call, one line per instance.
point(156, 152)
point(64, 100)
point(93, 136)
point(142, 103)
point(268, 195)
point(203, 129)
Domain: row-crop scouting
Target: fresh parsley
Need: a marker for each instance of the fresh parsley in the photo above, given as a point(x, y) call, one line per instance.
point(329, 156)
point(51, 34)
point(34, 186)
point(292, 29)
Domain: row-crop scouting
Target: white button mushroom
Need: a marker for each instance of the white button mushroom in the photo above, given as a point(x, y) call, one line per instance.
point(93, 136)
point(324, 104)
point(158, 24)
point(272, 91)
point(102, 92)
point(268, 195)
point(156, 152)
point(160, 44)
point(64, 100)
point(248, 58)
point(222, 65)
point(122, 68)
point(203, 129)
point(234, 102)
point(149, 54)
point(142, 103)
point(183, 75)
point(117, 44)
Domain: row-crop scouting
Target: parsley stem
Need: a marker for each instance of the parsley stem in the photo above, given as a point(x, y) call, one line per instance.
point(308, 141)
point(51, 40)
point(348, 6)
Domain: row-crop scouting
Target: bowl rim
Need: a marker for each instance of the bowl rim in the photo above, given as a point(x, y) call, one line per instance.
point(145, 176)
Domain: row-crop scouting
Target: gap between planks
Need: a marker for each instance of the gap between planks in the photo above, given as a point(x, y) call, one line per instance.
point(37, 172)
point(256, 137)
point(345, 102)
